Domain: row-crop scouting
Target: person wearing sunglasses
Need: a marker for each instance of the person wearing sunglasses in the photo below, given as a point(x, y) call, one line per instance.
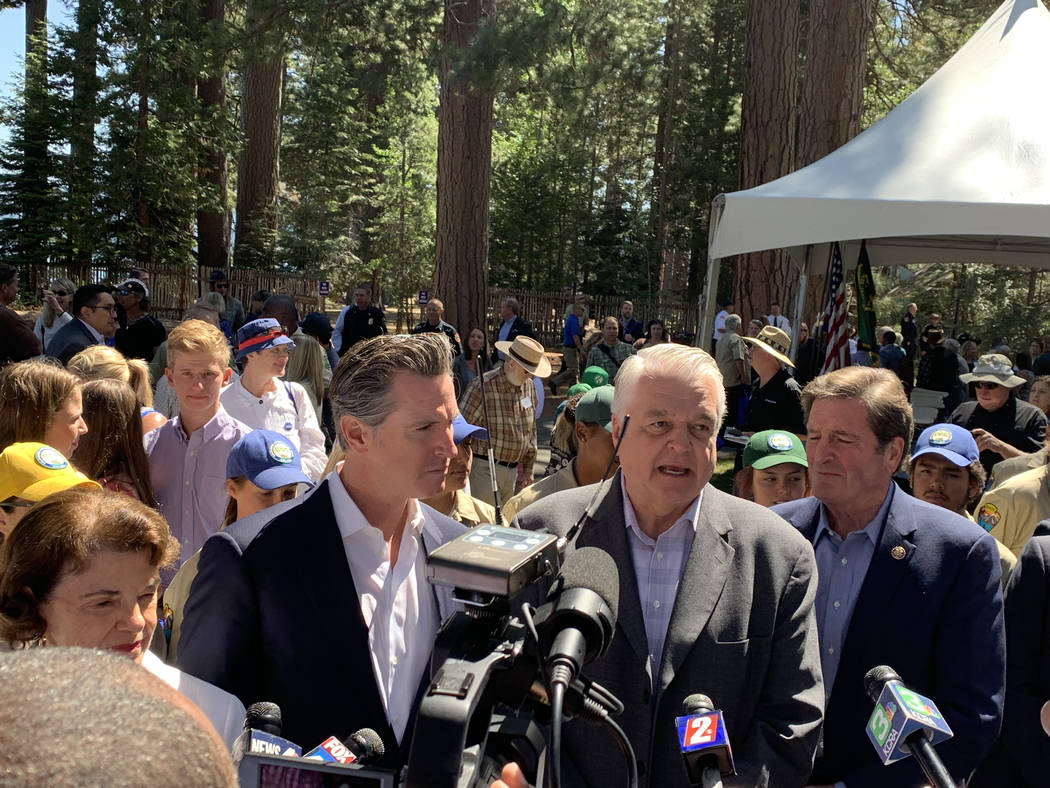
point(29, 472)
point(94, 322)
point(1003, 425)
point(57, 301)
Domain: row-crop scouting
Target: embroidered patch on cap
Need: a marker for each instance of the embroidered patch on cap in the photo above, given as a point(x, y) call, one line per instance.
point(780, 441)
point(940, 438)
point(281, 452)
point(988, 516)
point(49, 458)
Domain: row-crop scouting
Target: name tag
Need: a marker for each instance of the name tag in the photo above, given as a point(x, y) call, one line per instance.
point(526, 402)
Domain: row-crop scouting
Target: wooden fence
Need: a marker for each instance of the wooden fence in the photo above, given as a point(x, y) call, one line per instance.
point(173, 288)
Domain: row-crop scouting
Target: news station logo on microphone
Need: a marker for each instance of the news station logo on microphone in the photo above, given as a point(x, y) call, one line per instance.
point(898, 713)
point(703, 740)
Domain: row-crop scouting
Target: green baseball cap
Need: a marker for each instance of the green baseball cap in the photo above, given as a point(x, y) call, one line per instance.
point(578, 388)
point(595, 407)
point(594, 377)
point(772, 447)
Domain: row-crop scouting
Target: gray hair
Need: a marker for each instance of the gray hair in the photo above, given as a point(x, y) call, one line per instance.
point(733, 322)
point(513, 303)
point(667, 359)
point(362, 381)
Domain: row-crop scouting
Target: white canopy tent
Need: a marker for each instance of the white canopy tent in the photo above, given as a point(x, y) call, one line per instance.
point(958, 172)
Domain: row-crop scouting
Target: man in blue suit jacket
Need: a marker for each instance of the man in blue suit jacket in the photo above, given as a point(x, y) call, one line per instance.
point(901, 583)
point(324, 609)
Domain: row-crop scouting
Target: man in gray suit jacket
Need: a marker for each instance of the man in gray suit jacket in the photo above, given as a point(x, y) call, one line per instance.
point(716, 593)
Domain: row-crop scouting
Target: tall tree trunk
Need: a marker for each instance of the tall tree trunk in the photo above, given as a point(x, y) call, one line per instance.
point(258, 170)
point(36, 165)
point(832, 91)
point(767, 141)
point(464, 170)
point(213, 221)
point(663, 157)
point(82, 136)
point(143, 242)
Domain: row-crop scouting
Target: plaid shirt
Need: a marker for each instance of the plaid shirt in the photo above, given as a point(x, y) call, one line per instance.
point(513, 427)
point(658, 567)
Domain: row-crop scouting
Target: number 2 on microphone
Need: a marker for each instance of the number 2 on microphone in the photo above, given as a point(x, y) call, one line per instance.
point(700, 730)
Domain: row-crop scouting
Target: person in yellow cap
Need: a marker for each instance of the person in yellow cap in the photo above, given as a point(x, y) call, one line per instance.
point(29, 472)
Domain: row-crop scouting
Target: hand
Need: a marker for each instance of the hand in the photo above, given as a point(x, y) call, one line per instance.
point(987, 442)
point(511, 777)
point(52, 301)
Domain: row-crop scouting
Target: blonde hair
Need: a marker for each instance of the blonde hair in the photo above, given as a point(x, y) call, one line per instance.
point(100, 362)
point(48, 313)
point(198, 338)
point(306, 366)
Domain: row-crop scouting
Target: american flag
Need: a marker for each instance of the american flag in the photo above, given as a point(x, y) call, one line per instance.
point(837, 354)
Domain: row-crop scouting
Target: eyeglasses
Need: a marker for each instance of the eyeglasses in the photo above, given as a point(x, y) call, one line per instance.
point(981, 384)
point(222, 285)
point(112, 308)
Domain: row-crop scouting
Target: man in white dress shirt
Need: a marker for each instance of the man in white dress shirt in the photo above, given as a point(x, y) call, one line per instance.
point(777, 320)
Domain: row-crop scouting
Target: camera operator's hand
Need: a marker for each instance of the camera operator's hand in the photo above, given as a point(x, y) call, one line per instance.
point(511, 777)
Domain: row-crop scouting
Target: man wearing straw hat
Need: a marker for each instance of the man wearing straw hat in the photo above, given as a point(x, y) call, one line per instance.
point(510, 402)
point(1003, 425)
point(777, 402)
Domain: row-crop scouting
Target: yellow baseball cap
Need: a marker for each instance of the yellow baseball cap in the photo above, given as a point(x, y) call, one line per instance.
point(33, 471)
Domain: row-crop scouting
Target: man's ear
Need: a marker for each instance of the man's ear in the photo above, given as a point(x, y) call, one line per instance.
point(357, 434)
point(580, 429)
point(226, 376)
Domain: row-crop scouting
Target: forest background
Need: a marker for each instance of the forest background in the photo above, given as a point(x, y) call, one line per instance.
point(543, 145)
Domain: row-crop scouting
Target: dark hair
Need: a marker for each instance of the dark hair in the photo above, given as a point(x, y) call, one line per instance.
point(317, 325)
point(260, 296)
point(7, 273)
point(88, 295)
point(656, 321)
point(113, 443)
point(483, 353)
point(281, 303)
point(889, 337)
point(31, 392)
point(59, 536)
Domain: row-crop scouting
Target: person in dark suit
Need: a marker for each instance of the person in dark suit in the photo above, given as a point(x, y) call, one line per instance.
point(902, 583)
point(1021, 757)
point(94, 321)
point(324, 609)
point(513, 325)
point(715, 593)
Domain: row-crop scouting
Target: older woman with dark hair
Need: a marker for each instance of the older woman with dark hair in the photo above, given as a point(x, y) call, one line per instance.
point(82, 568)
point(40, 402)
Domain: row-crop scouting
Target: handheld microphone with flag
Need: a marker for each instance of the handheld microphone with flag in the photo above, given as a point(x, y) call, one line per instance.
point(906, 723)
point(363, 747)
point(262, 733)
point(704, 742)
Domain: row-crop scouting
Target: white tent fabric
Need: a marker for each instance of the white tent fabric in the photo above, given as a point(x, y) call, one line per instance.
point(959, 171)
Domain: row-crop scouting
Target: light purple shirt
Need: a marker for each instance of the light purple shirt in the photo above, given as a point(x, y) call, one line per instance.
point(189, 478)
point(658, 566)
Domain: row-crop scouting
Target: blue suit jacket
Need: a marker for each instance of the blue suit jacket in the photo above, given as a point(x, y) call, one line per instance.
point(70, 340)
point(936, 617)
point(273, 615)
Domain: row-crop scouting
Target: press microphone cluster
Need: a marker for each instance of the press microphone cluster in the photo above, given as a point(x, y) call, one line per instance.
point(262, 733)
point(906, 723)
point(364, 746)
point(704, 742)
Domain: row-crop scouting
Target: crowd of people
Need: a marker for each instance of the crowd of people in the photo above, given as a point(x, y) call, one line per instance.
point(243, 505)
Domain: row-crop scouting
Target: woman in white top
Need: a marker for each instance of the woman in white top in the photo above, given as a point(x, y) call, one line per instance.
point(55, 313)
point(83, 569)
point(263, 401)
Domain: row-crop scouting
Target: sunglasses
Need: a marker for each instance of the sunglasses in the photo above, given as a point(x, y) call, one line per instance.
point(982, 384)
point(59, 293)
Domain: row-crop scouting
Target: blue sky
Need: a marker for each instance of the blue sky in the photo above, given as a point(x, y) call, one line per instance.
point(13, 40)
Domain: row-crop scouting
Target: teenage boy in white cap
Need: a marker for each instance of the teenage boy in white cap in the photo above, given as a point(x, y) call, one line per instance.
point(511, 422)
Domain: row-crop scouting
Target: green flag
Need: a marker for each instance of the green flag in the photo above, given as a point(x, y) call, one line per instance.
point(866, 339)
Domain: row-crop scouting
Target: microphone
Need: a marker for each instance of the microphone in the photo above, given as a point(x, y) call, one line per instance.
point(586, 596)
point(904, 722)
point(262, 733)
point(1044, 717)
point(704, 742)
point(364, 746)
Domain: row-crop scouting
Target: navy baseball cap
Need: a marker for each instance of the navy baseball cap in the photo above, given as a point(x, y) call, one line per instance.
point(462, 429)
point(267, 460)
point(950, 441)
point(260, 334)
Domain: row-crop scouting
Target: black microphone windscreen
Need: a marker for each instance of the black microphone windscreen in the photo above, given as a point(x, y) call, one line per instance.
point(696, 704)
point(594, 569)
point(876, 678)
point(371, 744)
point(263, 716)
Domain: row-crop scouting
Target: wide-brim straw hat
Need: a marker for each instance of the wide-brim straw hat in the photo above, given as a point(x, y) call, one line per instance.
point(993, 368)
point(529, 353)
point(773, 341)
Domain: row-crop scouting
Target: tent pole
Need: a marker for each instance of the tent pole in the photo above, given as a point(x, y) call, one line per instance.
point(800, 304)
point(706, 321)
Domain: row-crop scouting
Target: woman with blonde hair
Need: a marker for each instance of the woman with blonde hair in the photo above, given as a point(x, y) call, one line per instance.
point(40, 403)
point(111, 453)
point(100, 362)
point(55, 314)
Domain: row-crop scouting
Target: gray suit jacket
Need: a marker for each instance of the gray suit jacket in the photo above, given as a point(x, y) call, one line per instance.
point(742, 632)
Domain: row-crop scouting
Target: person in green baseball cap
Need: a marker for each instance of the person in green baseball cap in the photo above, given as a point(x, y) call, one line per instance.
point(594, 377)
point(774, 469)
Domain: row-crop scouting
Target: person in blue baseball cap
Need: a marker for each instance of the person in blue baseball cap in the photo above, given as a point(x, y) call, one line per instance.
point(454, 500)
point(262, 470)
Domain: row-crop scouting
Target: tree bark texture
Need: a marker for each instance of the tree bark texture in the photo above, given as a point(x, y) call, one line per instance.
point(832, 91)
point(464, 171)
point(82, 136)
point(258, 170)
point(213, 222)
point(767, 142)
